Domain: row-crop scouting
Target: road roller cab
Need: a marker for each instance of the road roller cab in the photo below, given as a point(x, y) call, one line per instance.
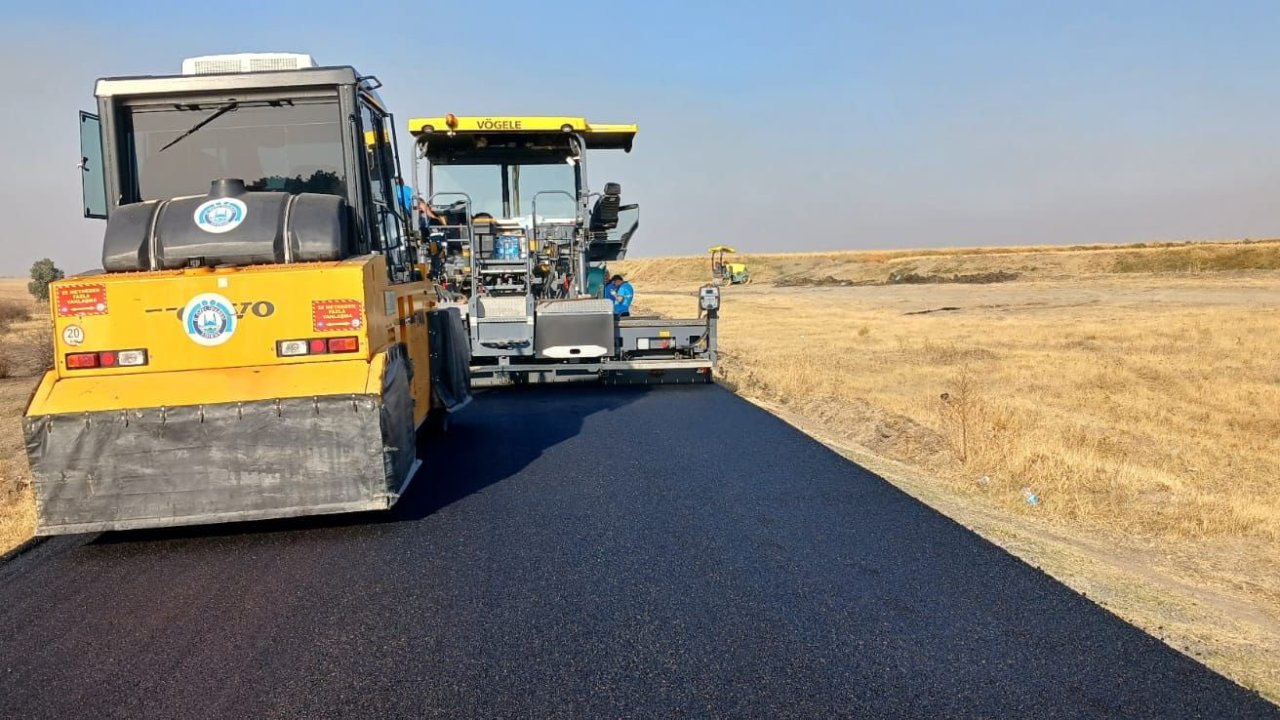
point(260, 340)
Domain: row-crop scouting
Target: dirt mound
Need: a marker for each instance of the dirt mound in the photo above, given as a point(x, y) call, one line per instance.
point(982, 278)
point(895, 278)
point(801, 280)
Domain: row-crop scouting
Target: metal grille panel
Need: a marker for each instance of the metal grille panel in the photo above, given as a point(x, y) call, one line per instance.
point(501, 307)
point(586, 305)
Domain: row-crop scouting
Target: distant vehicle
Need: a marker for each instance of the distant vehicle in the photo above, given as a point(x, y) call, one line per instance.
point(727, 273)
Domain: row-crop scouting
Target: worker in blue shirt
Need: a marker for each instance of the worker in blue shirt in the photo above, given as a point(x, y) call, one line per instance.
point(621, 292)
point(425, 213)
point(406, 195)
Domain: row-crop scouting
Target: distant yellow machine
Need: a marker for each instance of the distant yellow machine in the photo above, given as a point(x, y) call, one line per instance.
point(727, 273)
point(261, 341)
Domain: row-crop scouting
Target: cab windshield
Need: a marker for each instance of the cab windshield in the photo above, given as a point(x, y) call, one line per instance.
point(281, 145)
point(511, 191)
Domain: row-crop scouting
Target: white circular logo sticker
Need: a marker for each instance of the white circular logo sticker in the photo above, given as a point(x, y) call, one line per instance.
point(209, 319)
point(220, 215)
point(72, 335)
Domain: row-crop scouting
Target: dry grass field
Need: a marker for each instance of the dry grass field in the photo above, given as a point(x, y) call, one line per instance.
point(1134, 392)
point(24, 336)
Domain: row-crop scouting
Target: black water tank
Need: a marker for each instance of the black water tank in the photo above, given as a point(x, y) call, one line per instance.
point(230, 226)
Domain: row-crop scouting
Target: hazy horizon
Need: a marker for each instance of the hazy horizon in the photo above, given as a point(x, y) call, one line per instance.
point(805, 127)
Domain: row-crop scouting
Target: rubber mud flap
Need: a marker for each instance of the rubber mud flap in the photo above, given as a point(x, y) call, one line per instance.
point(399, 430)
point(450, 358)
point(157, 467)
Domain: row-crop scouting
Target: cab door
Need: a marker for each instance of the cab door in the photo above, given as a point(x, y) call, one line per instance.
point(388, 212)
point(93, 175)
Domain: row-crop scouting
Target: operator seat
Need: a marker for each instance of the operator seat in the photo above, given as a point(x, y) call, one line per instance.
point(604, 215)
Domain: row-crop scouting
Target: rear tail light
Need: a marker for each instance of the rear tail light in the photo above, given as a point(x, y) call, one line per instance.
point(344, 345)
point(317, 346)
point(106, 359)
point(81, 361)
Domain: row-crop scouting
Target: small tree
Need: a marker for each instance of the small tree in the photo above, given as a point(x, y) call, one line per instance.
point(43, 272)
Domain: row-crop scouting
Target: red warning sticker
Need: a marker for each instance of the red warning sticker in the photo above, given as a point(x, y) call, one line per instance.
point(78, 300)
point(337, 315)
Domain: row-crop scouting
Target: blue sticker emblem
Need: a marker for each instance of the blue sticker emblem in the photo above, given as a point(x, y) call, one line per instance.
point(209, 319)
point(220, 215)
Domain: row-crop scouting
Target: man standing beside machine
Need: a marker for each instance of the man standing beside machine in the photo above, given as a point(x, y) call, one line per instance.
point(621, 293)
point(427, 214)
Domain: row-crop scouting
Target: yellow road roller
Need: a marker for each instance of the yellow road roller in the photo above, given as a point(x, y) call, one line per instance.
point(261, 340)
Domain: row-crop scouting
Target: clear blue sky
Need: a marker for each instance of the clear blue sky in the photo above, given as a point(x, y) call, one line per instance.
point(778, 126)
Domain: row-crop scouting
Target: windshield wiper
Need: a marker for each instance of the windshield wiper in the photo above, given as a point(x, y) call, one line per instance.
point(221, 111)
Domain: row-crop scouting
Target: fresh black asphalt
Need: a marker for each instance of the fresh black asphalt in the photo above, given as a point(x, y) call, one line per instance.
point(585, 552)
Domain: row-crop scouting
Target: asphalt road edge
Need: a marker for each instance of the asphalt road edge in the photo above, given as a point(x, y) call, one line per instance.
point(28, 545)
point(860, 455)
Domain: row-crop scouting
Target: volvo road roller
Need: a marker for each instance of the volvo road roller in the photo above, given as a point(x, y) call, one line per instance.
point(261, 340)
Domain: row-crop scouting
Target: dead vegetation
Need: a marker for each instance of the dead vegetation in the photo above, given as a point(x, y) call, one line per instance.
point(13, 311)
point(17, 504)
point(1198, 259)
point(25, 353)
point(857, 268)
point(26, 349)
